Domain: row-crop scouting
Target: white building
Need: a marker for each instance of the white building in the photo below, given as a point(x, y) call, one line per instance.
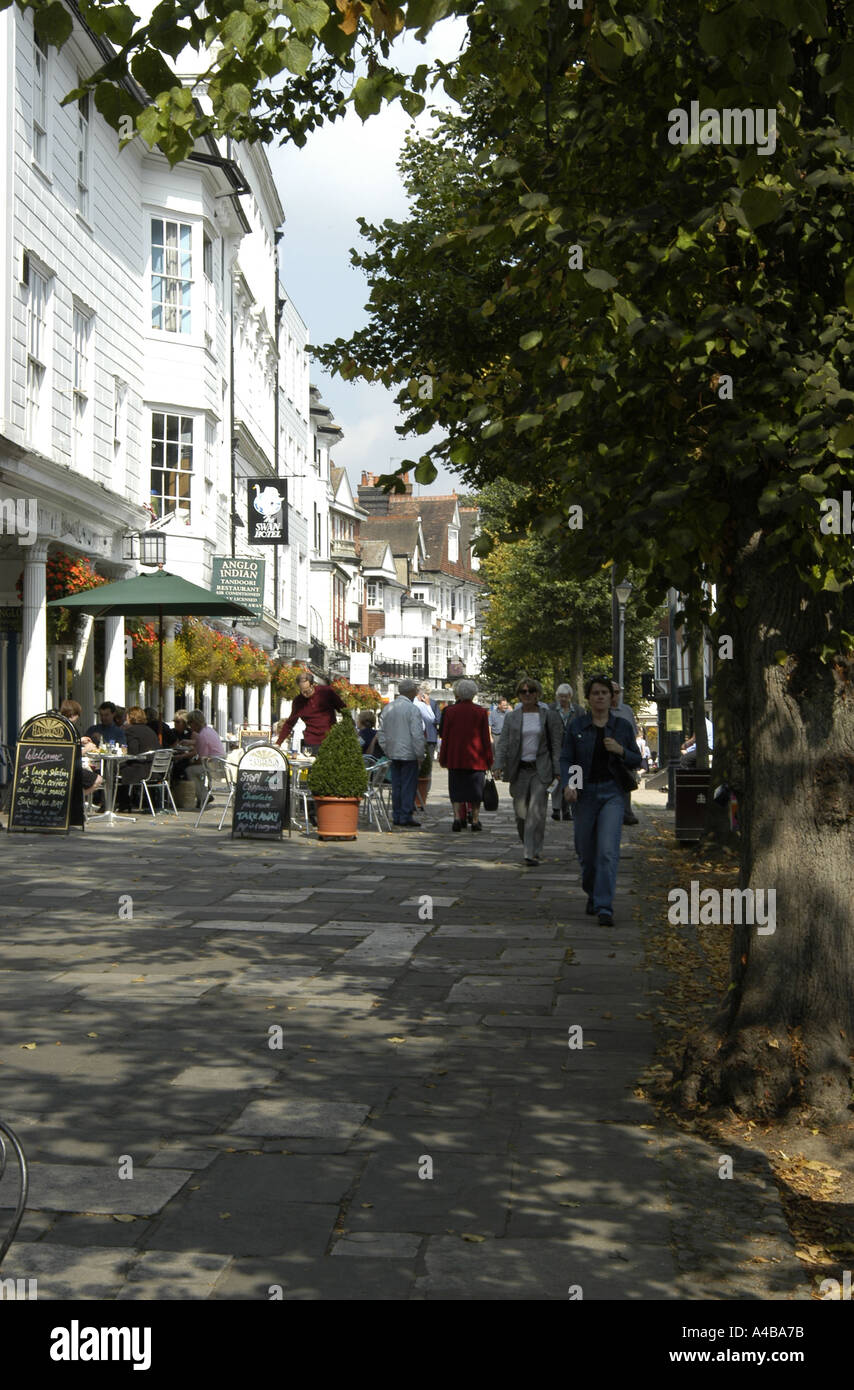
point(151, 365)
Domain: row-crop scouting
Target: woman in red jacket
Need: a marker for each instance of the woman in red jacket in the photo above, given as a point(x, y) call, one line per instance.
point(466, 751)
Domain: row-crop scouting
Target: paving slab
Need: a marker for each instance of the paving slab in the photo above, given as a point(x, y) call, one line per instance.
point(305, 1118)
point(89, 1188)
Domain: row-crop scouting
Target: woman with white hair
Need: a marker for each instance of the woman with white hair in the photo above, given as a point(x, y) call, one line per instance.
point(466, 752)
point(429, 711)
point(567, 710)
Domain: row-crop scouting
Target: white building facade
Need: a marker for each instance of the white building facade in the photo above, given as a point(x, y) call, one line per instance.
point(152, 363)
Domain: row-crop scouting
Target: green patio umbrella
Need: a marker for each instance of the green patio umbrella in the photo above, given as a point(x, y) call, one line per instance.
point(156, 595)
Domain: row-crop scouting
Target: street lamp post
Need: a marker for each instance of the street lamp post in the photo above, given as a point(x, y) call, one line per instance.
point(622, 591)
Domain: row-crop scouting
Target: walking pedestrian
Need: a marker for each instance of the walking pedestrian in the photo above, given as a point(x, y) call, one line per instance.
point(528, 755)
point(404, 744)
point(623, 711)
point(497, 717)
point(429, 711)
point(563, 704)
point(592, 743)
point(466, 752)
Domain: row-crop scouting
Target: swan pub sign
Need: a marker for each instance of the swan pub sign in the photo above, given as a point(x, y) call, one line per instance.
point(268, 511)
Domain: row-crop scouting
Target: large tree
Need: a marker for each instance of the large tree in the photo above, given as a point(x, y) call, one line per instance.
point(661, 333)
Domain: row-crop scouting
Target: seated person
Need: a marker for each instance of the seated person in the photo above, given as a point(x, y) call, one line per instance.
point(91, 779)
point(140, 739)
point(154, 723)
point(108, 728)
point(367, 732)
point(206, 744)
point(182, 745)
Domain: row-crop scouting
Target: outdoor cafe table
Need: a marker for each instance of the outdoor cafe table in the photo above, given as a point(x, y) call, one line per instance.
point(110, 764)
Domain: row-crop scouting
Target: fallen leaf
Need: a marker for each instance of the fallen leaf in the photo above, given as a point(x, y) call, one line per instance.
point(29, 1046)
point(367, 1204)
point(225, 1216)
point(91, 1035)
point(467, 1236)
point(396, 1040)
point(124, 1218)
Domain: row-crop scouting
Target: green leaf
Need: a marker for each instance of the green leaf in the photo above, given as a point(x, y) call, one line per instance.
point(460, 451)
point(53, 24)
point(237, 29)
point(568, 401)
point(412, 103)
point(491, 430)
point(810, 483)
point(844, 436)
point(425, 471)
point(849, 290)
point(423, 14)
point(533, 201)
point(530, 340)
point(296, 56)
point(528, 422)
point(307, 16)
point(760, 205)
point(367, 97)
point(237, 98)
point(600, 279)
point(153, 73)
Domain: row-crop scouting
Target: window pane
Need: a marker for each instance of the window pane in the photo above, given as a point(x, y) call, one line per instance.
point(171, 426)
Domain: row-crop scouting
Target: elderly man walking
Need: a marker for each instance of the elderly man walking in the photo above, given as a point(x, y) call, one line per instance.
point(528, 754)
point(403, 742)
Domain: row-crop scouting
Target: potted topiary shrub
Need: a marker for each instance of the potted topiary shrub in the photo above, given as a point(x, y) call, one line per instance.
point(425, 774)
point(338, 781)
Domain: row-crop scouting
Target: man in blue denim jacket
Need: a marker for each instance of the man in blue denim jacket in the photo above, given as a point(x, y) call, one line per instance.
point(591, 743)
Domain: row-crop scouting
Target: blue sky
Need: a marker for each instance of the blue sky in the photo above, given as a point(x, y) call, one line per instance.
point(345, 171)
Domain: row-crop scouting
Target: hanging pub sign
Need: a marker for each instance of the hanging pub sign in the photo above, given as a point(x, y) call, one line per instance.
point(268, 511)
point(262, 794)
point(47, 788)
point(241, 579)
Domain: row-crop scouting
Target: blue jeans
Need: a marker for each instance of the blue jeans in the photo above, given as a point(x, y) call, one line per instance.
point(598, 827)
point(404, 784)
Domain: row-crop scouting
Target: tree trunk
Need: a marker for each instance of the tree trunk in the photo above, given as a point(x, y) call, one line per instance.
point(578, 668)
point(785, 1038)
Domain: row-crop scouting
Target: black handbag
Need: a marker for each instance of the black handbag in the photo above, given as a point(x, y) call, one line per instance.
point(490, 793)
point(623, 776)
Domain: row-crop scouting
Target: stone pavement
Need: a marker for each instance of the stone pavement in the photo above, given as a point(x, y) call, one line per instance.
point(342, 1071)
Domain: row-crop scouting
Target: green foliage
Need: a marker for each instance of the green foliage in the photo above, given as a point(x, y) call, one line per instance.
point(700, 263)
point(338, 769)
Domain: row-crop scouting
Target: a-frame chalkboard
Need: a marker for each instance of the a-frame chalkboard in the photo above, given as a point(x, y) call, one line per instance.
point(47, 787)
point(262, 794)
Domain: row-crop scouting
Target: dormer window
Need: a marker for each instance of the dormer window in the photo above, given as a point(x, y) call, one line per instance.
point(453, 545)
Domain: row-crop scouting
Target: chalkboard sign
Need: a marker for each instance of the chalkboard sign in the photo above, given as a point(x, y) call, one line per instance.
point(262, 794)
point(47, 787)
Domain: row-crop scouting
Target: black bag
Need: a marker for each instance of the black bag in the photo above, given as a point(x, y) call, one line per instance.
point(623, 776)
point(490, 793)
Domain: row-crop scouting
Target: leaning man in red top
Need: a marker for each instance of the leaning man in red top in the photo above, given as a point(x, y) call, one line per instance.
point(316, 706)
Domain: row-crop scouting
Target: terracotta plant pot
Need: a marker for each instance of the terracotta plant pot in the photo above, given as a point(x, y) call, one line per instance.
point(337, 817)
point(423, 790)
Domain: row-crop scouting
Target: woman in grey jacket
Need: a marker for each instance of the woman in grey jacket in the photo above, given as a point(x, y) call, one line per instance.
point(528, 755)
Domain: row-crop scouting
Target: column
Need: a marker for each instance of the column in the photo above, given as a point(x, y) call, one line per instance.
point(254, 708)
point(221, 719)
point(169, 688)
point(34, 675)
point(83, 673)
point(190, 696)
point(207, 701)
point(266, 706)
point(114, 660)
point(237, 706)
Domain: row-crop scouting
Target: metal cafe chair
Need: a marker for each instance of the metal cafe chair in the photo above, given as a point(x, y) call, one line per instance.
point(218, 772)
point(301, 792)
point(374, 801)
point(23, 1183)
point(158, 778)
